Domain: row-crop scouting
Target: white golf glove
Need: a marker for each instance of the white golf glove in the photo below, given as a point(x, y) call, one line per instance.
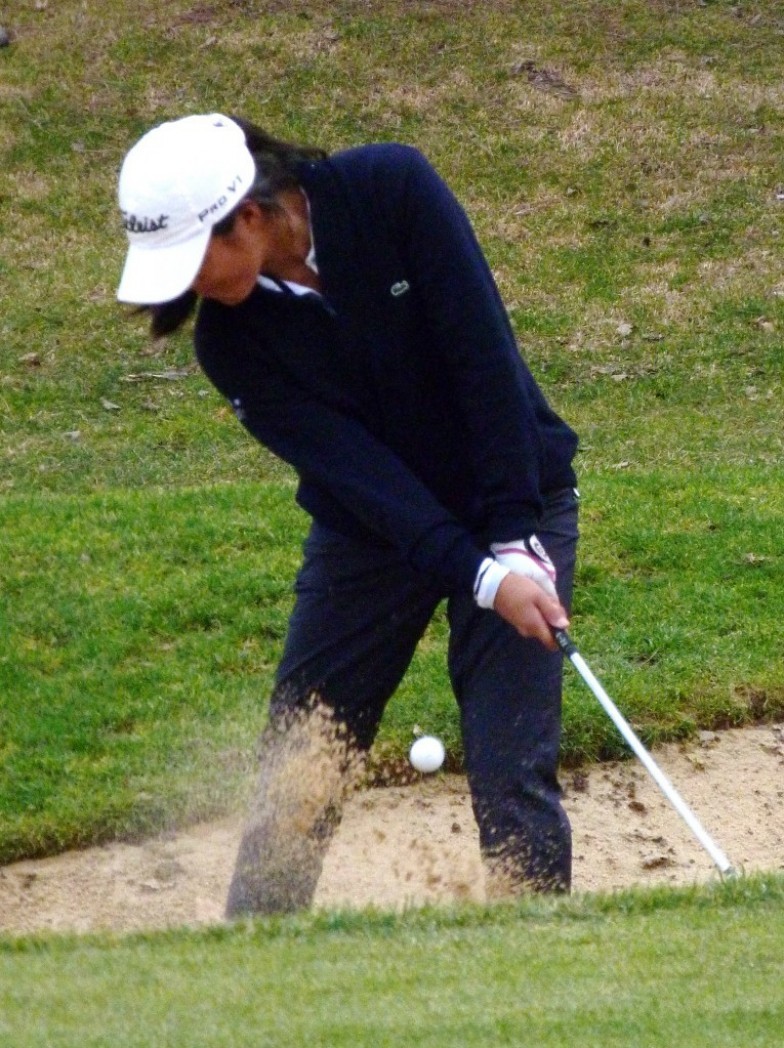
point(523, 557)
point(527, 557)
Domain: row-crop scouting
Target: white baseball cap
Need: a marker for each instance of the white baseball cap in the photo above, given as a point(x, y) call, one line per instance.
point(176, 182)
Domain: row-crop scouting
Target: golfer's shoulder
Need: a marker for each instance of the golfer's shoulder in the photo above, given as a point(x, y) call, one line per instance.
point(381, 163)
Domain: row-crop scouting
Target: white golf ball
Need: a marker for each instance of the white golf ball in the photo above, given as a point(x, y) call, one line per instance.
point(427, 753)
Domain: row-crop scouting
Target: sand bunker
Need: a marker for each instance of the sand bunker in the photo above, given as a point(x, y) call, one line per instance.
point(408, 845)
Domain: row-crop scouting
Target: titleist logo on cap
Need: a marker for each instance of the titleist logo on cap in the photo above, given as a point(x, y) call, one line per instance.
point(144, 225)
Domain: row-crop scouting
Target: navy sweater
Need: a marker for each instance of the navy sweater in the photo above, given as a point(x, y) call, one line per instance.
point(399, 396)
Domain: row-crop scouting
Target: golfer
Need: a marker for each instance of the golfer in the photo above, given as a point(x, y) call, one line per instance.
point(346, 312)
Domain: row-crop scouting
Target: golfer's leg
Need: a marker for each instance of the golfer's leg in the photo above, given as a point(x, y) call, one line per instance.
point(358, 617)
point(303, 771)
point(509, 691)
point(509, 694)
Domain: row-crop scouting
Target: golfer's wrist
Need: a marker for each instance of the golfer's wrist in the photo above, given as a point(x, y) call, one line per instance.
point(489, 577)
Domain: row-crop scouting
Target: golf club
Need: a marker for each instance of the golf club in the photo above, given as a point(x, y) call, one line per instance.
point(569, 648)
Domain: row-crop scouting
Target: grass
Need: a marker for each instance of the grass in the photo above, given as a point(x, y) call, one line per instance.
point(140, 631)
point(691, 967)
point(633, 219)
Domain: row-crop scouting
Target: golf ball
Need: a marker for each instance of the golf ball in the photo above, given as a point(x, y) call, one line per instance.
point(427, 753)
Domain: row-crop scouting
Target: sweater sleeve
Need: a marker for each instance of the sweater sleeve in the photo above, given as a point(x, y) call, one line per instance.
point(500, 403)
point(335, 452)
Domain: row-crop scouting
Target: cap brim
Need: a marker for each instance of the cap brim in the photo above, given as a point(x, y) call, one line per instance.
point(153, 275)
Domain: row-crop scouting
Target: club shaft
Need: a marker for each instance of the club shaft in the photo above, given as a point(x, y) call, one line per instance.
point(717, 855)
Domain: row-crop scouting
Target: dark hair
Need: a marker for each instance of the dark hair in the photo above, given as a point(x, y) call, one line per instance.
point(277, 169)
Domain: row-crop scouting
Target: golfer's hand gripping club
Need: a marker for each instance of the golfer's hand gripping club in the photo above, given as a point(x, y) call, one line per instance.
point(527, 557)
point(527, 597)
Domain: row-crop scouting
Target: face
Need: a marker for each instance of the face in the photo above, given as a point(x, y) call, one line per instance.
point(233, 261)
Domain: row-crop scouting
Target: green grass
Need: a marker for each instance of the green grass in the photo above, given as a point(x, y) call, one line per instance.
point(634, 227)
point(141, 629)
point(690, 967)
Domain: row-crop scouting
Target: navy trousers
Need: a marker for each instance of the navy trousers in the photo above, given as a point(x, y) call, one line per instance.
point(358, 617)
